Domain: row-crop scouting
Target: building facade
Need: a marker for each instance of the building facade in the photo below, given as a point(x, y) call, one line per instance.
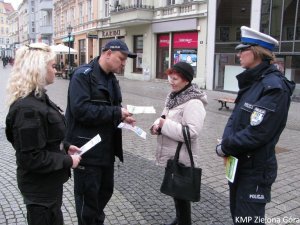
point(13, 32)
point(201, 32)
point(161, 32)
point(5, 42)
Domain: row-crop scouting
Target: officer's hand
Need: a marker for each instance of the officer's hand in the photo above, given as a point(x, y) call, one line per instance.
point(73, 150)
point(219, 150)
point(130, 120)
point(76, 160)
point(125, 113)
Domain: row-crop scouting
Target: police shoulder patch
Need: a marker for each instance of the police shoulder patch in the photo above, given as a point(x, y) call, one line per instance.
point(257, 116)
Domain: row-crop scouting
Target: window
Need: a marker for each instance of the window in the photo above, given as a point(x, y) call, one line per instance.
point(170, 2)
point(89, 10)
point(224, 33)
point(106, 8)
point(138, 3)
point(238, 34)
point(138, 48)
point(32, 6)
point(80, 13)
point(32, 27)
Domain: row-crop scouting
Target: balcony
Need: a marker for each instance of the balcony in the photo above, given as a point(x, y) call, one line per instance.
point(46, 30)
point(193, 8)
point(136, 14)
point(46, 5)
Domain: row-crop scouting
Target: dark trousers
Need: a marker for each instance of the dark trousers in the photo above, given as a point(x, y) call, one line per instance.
point(242, 211)
point(93, 188)
point(183, 212)
point(46, 213)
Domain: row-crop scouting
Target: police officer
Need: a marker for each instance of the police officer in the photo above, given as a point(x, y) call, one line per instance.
point(254, 127)
point(94, 107)
point(36, 128)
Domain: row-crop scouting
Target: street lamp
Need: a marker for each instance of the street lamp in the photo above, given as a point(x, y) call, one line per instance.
point(69, 29)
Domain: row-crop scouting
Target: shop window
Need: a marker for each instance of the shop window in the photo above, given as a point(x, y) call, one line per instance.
point(185, 48)
point(138, 48)
point(163, 58)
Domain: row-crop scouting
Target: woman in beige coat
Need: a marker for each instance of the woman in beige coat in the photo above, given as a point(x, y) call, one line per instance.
point(184, 106)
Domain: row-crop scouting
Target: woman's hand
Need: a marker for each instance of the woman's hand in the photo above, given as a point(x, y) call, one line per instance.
point(73, 150)
point(76, 160)
point(155, 129)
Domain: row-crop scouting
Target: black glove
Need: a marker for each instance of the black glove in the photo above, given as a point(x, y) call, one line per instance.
point(219, 151)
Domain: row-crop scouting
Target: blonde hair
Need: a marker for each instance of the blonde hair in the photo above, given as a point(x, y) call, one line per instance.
point(29, 71)
point(263, 53)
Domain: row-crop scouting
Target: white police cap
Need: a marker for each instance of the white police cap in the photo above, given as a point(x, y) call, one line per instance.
point(250, 37)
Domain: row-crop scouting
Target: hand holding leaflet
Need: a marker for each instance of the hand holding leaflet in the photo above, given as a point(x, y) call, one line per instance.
point(135, 129)
point(91, 143)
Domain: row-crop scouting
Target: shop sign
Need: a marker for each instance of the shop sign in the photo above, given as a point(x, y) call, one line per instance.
point(112, 33)
point(164, 40)
point(93, 34)
point(186, 40)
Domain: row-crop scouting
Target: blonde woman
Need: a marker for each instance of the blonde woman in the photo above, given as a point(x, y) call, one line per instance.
point(36, 129)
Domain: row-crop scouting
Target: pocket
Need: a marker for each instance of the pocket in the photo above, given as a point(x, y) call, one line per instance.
point(56, 127)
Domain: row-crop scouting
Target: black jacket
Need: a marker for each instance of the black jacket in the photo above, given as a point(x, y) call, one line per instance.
point(94, 107)
point(36, 129)
point(258, 119)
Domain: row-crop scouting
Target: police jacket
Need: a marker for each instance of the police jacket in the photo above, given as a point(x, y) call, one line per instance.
point(259, 117)
point(36, 128)
point(94, 107)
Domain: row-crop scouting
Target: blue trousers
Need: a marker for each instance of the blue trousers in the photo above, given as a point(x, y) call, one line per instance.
point(93, 188)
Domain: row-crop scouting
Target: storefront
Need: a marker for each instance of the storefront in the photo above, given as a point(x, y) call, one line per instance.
point(280, 19)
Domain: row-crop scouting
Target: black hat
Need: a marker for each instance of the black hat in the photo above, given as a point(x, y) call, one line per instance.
point(185, 69)
point(118, 45)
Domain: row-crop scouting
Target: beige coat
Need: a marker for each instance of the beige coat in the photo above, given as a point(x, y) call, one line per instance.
point(192, 114)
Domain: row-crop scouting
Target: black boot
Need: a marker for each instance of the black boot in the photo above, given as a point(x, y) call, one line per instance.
point(174, 222)
point(183, 212)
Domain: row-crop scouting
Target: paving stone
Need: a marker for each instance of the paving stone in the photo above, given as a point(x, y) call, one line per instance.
point(137, 199)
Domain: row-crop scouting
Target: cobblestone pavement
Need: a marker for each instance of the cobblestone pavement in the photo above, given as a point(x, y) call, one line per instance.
point(136, 198)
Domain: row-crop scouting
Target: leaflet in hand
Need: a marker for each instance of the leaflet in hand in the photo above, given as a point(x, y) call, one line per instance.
point(135, 129)
point(91, 143)
point(140, 109)
point(230, 168)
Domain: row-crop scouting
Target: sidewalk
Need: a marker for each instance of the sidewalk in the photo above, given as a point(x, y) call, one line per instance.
point(136, 198)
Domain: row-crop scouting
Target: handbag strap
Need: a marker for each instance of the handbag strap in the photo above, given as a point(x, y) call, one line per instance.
point(187, 140)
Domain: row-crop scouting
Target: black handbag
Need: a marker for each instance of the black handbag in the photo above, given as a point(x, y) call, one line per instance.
point(180, 181)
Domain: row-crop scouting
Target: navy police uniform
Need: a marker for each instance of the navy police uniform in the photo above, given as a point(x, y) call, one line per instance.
point(36, 129)
point(253, 130)
point(94, 107)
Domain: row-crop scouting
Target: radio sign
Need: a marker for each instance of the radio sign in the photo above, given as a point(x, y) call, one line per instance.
point(111, 33)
